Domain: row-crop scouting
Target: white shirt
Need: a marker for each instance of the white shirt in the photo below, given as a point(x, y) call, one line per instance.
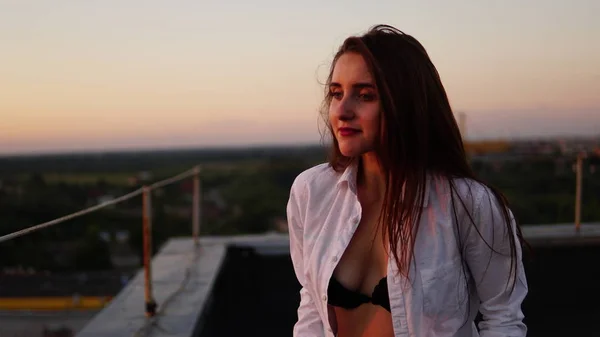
point(323, 212)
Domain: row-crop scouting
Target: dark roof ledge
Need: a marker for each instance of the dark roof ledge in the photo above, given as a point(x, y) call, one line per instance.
point(183, 279)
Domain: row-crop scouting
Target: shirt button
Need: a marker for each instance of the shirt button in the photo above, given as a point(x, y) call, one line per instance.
point(325, 298)
point(335, 259)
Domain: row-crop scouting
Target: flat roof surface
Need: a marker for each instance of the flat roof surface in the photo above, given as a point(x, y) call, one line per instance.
point(562, 234)
point(183, 278)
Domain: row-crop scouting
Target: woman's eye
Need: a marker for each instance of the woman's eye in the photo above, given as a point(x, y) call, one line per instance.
point(336, 94)
point(366, 97)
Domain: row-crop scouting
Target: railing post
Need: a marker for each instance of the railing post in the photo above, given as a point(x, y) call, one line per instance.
point(196, 205)
point(578, 174)
point(147, 236)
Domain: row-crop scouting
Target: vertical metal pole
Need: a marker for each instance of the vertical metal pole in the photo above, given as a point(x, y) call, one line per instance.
point(578, 174)
point(147, 236)
point(196, 205)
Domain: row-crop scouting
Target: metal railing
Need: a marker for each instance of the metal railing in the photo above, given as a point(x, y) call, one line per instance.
point(578, 169)
point(146, 192)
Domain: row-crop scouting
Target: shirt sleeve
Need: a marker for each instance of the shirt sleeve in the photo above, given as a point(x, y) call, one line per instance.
point(492, 269)
point(309, 323)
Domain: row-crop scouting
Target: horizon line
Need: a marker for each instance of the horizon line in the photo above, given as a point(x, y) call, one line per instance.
point(241, 147)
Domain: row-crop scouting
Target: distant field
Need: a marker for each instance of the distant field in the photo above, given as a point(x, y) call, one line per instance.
point(210, 169)
point(122, 178)
point(119, 179)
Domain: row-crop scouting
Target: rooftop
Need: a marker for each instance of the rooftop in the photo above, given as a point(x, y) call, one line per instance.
point(184, 277)
point(562, 234)
point(205, 290)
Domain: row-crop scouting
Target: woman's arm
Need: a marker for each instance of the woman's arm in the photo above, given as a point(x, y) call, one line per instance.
point(493, 270)
point(309, 323)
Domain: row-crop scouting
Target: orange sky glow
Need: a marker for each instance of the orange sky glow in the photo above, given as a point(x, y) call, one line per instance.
point(109, 75)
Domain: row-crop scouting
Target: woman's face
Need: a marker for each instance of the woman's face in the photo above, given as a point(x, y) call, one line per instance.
point(355, 106)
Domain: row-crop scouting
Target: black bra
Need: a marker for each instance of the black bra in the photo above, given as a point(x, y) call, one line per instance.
point(339, 296)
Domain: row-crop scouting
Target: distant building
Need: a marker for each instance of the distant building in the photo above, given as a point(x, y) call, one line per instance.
point(122, 256)
point(145, 176)
point(215, 196)
point(105, 236)
point(122, 236)
point(132, 181)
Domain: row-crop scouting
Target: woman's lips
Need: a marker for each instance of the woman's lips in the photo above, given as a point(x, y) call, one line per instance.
point(347, 132)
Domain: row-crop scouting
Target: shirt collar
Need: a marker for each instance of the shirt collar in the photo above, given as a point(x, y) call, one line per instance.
point(350, 174)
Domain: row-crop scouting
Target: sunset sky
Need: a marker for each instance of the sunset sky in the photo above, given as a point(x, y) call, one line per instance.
point(90, 75)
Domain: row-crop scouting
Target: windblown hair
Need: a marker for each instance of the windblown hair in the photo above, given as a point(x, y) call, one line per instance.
point(419, 135)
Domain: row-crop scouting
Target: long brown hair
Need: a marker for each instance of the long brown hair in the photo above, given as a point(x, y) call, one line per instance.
point(419, 135)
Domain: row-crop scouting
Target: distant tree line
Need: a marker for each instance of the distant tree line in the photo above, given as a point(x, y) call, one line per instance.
point(254, 189)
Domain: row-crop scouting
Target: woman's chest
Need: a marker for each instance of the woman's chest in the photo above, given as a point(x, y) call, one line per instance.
point(340, 226)
point(332, 242)
point(364, 259)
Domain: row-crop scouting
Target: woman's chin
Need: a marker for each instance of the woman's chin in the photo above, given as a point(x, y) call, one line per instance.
point(351, 151)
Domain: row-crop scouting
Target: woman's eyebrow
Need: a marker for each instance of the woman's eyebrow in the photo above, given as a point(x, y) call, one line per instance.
point(362, 85)
point(359, 85)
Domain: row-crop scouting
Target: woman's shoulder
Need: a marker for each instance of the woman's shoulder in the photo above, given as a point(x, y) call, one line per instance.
point(478, 199)
point(468, 192)
point(470, 189)
point(315, 178)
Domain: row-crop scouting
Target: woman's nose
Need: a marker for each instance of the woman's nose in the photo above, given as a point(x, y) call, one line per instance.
point(344, 109)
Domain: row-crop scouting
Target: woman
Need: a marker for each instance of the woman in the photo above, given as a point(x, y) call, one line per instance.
point(395, 236)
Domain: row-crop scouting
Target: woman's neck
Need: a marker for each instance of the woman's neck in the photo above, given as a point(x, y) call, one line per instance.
point(371, 179)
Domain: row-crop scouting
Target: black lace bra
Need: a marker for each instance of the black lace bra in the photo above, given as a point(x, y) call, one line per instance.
point(339, 296)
